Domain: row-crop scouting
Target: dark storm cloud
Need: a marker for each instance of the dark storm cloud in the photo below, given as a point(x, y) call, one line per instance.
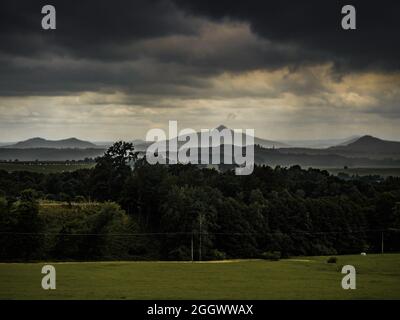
point(314, 25)
point(134, 46)
point(93, 47)
point(63, 76)
point(94, 29)
point(163, 47)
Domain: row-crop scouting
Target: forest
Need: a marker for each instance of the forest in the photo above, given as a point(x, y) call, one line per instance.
point(181, 212)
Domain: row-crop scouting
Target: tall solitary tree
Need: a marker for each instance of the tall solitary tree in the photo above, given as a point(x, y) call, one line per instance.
point(112, 170)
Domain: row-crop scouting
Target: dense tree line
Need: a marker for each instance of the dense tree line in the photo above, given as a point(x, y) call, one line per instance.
point(164, 212)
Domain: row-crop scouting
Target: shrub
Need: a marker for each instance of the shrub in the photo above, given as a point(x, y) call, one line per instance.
point(332, 260)
point(80, 199)
point(179, 254)
point(271, 255)
point(218, 255)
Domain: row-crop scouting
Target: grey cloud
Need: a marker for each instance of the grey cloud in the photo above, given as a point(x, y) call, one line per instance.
point(314, 25)
point(160, 46)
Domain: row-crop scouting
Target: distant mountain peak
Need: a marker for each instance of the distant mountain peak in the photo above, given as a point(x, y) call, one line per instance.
point(221, 127)
point(37, 142)
point(371, 144)
point(368, 137)
point(367, 140)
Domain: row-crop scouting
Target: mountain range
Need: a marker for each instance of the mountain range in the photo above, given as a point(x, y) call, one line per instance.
point(194, 140)
point(71, 143)
point(355, 151)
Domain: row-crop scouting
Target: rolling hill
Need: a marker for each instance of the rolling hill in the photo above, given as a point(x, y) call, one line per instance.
point(34, 143)
point(195, 139)
point(258, 141)
point(366, 151)
point(370, 144)
point(320, 143)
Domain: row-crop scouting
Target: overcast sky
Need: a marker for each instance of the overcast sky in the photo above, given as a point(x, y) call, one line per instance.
point(115, 69)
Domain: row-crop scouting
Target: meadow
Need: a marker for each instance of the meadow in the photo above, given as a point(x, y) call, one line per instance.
point(378, 277)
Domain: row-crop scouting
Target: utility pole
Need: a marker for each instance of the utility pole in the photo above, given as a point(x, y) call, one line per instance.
point(191, 246)
point(200, 236)
point(382, 243)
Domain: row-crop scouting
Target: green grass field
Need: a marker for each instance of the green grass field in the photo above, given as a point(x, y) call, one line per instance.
point(378, 277)
point(44, 167)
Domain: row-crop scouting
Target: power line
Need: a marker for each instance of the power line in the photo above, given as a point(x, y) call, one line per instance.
point(198, 233)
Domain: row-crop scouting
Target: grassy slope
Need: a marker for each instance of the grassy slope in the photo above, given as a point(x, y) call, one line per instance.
point(378, 277)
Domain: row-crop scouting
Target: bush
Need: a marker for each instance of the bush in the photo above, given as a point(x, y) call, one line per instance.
point(218, 255)
point(80, 199)
point(271, 255)
point(332, 260)
point(179, 254)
